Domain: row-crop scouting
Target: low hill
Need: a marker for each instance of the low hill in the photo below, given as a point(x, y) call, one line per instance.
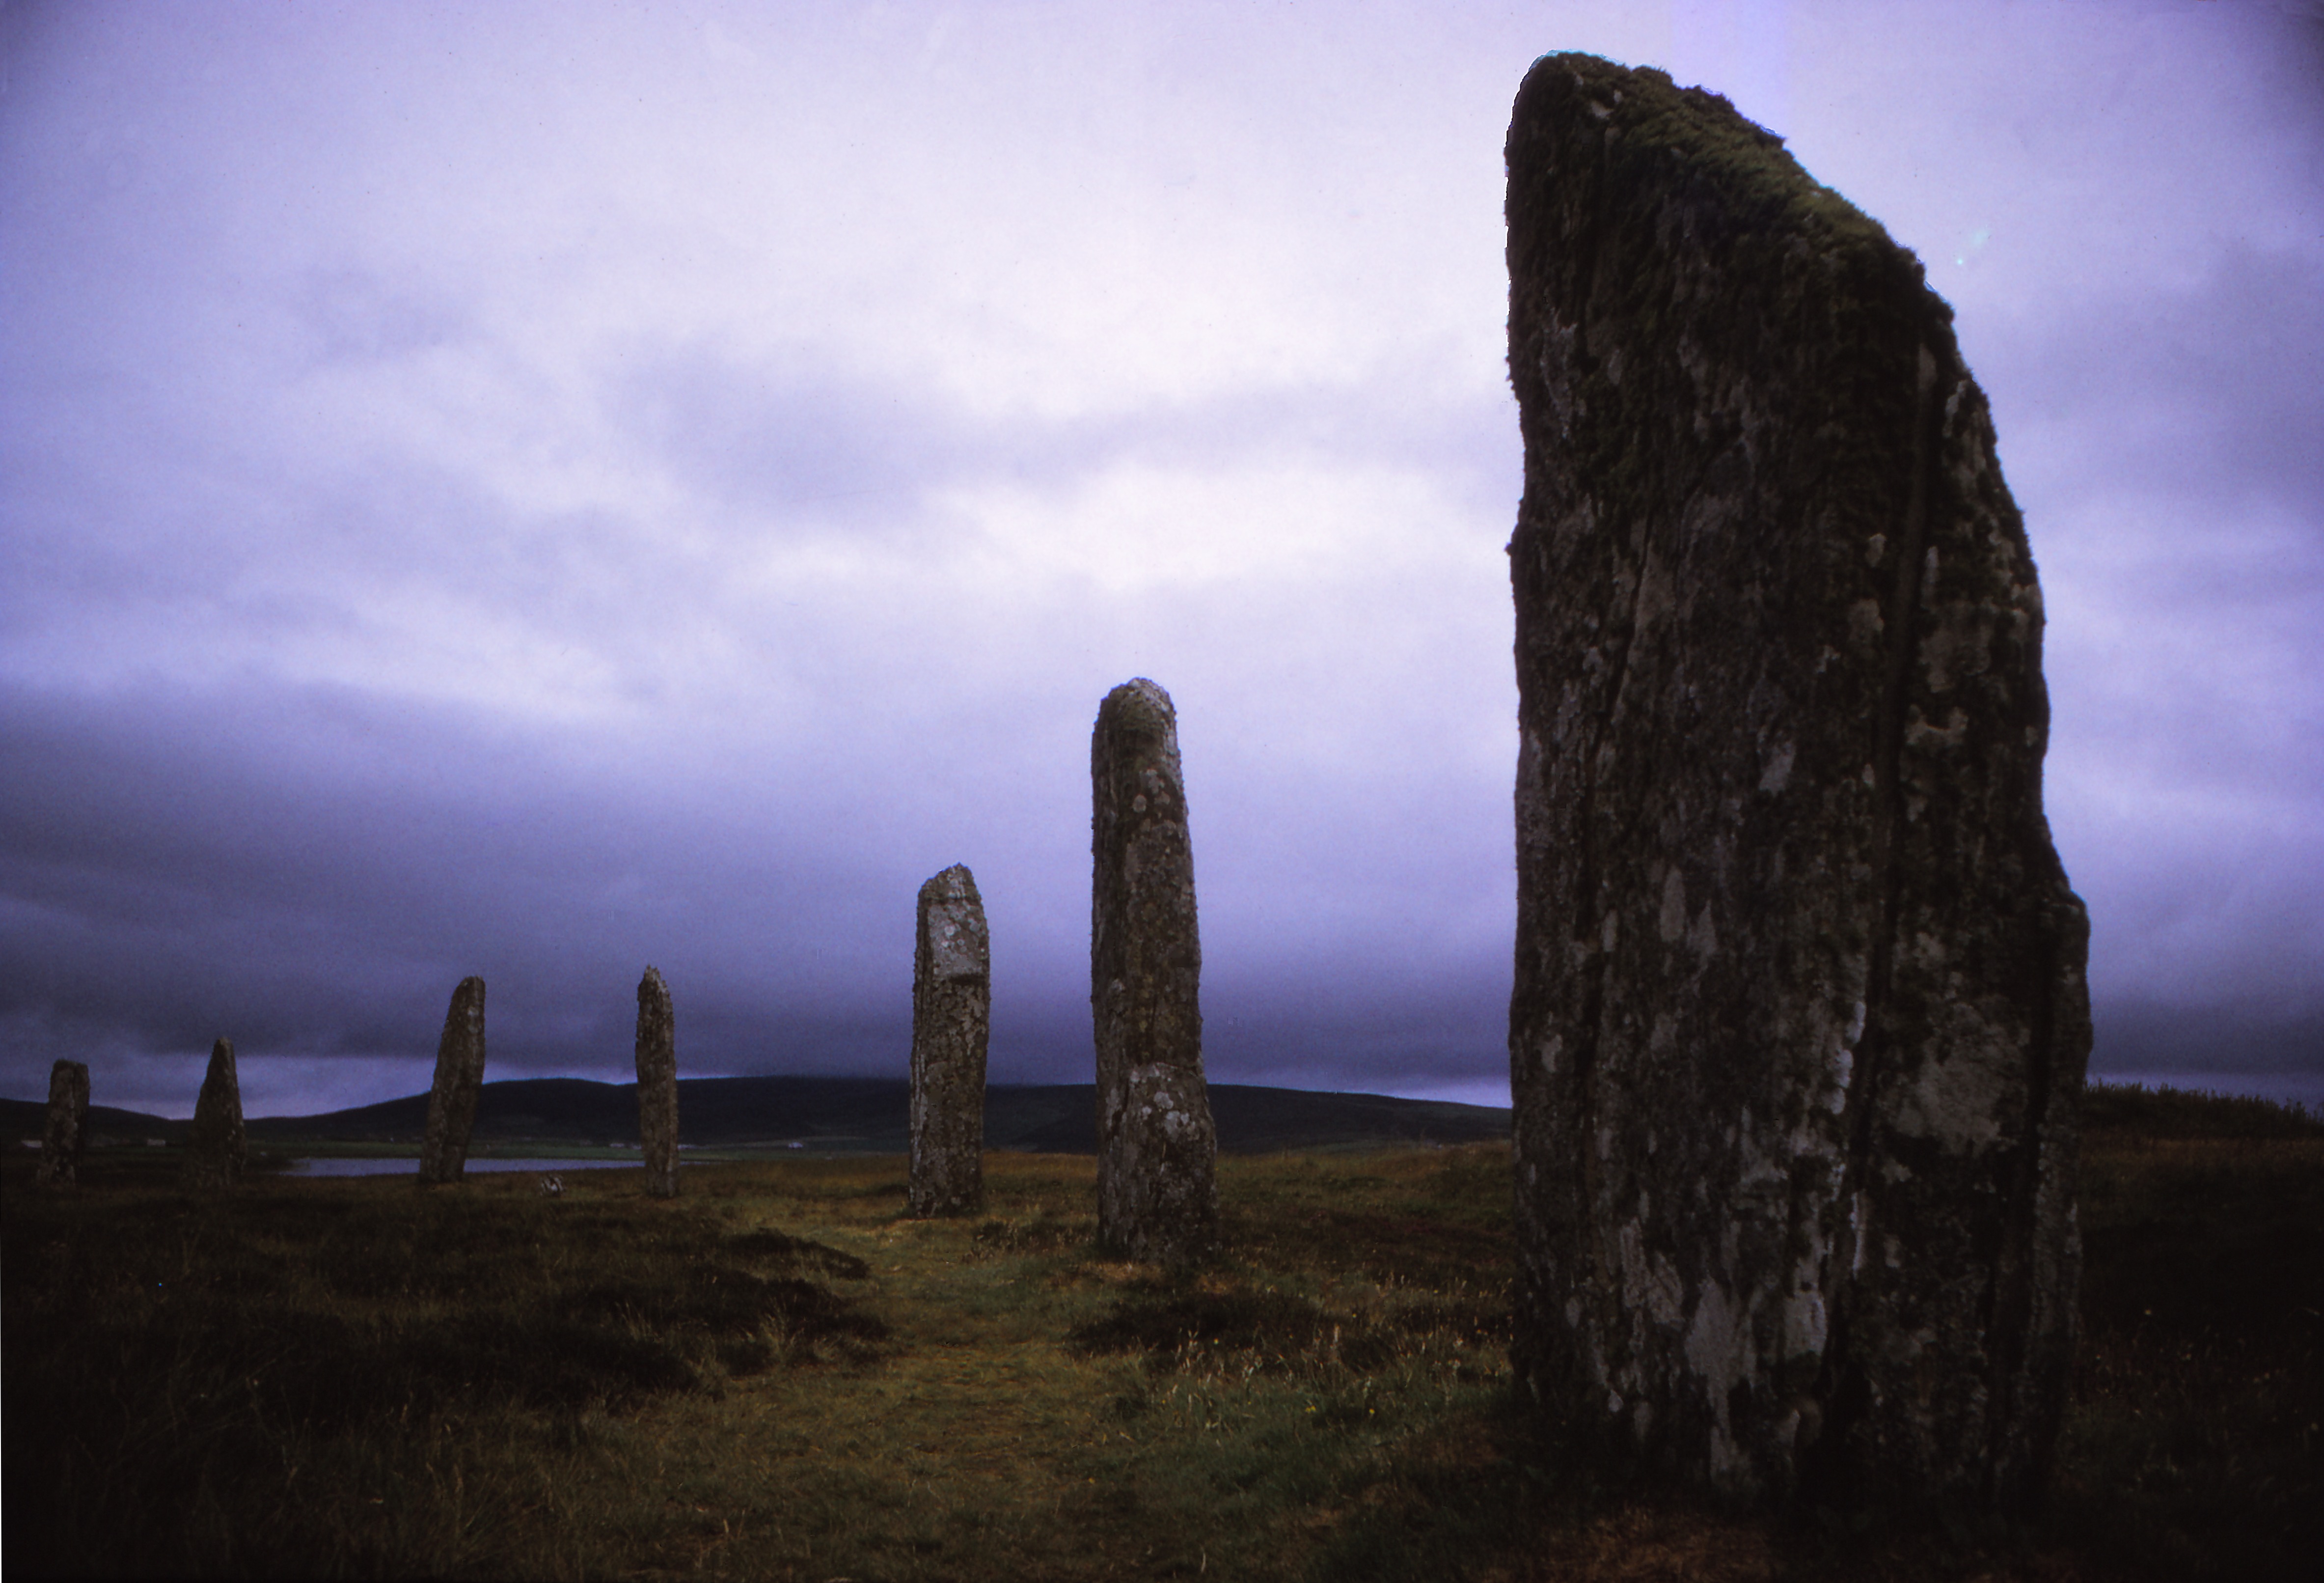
point(105, 1125)
point(872, 1114)
point(867, 1114)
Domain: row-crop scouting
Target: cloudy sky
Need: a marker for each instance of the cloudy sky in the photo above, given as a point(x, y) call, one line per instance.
point(537, 491)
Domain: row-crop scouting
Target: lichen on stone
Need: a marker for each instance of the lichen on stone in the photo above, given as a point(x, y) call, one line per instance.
point(217, 1148)
point(1799, 979)
point(951, 1010)
point(460, 1082)
point(657, 1063)
point(1158, 1196)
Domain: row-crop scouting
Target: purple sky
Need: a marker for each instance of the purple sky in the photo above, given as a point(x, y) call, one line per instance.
point(536, 491)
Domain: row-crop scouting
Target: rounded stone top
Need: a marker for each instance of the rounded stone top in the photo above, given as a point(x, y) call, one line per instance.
point(1140, 706)
point(1640, 141)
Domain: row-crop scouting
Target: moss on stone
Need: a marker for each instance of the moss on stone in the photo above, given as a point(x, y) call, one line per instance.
point(1787, 910)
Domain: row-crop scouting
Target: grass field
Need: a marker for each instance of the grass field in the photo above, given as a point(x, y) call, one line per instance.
point(781, 1375)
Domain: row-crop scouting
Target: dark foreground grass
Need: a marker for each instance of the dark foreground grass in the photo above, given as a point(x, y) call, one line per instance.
point(328, 1377)
point(2197, 1443)
point(780, 1376)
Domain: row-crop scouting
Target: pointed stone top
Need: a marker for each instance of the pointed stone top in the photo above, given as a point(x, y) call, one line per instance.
point(652, 983)
point(1594, 146)
point(1648, 123)
point(953, 884)
point(216, 1147)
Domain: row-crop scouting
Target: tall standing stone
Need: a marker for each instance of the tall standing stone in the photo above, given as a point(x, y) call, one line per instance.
point(952, 1020)
point(657, 1084)
point(1157, 1191)
point(216, 1149)
point(1799, 1023)
point(459, 1079)
point(63, 1134)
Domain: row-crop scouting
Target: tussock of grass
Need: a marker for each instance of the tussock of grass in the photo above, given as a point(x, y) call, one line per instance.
point(1261, 1329)
point(1275, 1331)
point(2196, 1447)
point(1043, 1233)
point(774, 1247)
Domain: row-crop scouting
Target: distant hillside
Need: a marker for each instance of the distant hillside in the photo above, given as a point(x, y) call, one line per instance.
point(29, 1119)
point(868, 1114)
point(874, 1113)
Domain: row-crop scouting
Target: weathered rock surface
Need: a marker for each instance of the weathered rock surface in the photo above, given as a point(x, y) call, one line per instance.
point(216, 1149)
point(952, 1021)
point(459, 1077)
point(1157, 1154)
point(63, 1131)
point(657, 1084)
point(1799, 1024)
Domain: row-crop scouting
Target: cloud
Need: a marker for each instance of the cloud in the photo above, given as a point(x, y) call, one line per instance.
point(2165, 448)
point(309, 870)
point(2141, 1039)
point(2208, 394)
point(789, 443)
point(484, 492)
point(312, 871)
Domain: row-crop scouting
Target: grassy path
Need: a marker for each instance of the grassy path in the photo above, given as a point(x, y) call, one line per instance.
point(981, 1441)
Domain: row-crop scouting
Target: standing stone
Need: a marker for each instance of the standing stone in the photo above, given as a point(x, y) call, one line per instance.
point(1799, 1024)
point(657, 1084)
point(67, 1121)
point(1156, 1153)
point(459, 1077)
point(216, 1149)
point(952, 1020)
